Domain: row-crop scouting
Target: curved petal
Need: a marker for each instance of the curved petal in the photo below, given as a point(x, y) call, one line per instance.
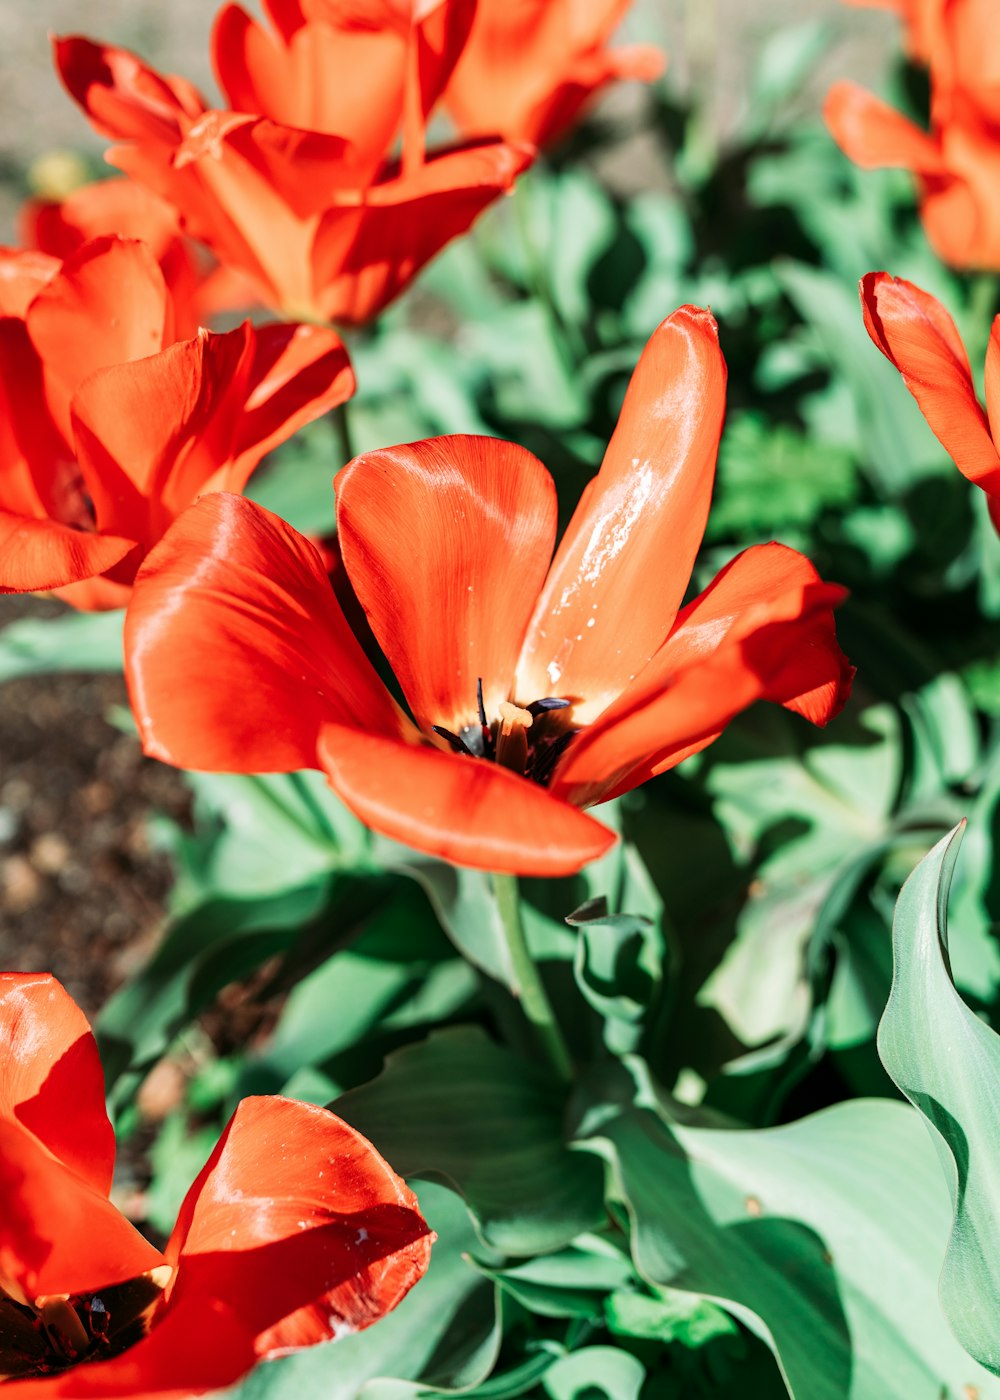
point(464, 810)
point(52, 1081)
point(152, 434)
point(550, 117)
point(107, 305)
point(913, 330)
point(124, 98)
point(239, 604)
point(298, 373)
point(23, 273)
point(198, 1347)
point(446, 543)
point(762, 630)
point(37, 555)
point(298, 1225)
point(368, 247)
point(873, 134)
point(623, 566)
point(57, 1233)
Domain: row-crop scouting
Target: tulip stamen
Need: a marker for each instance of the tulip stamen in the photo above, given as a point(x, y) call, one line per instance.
point(522, 739)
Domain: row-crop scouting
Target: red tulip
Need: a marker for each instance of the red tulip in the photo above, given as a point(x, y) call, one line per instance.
point(125, 208)
point(535, 690)
point(110, 427)
point(915, 332)
point(531, 66)
point(295, 1231)
point(956, 162)
point(294, 187)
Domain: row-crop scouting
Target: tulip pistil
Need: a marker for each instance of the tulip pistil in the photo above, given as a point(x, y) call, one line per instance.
point(527, 740)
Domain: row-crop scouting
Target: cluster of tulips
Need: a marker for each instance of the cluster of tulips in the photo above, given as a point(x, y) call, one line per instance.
point(540, 680)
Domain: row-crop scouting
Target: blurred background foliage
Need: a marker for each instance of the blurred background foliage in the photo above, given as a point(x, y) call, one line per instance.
point(717, 1207)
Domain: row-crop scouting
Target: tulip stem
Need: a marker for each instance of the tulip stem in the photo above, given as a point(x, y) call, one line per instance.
point(342, 433)
point(529, 988)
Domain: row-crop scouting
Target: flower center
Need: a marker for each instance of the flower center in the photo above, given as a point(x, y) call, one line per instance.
point(528, 740)
point(61, 1330)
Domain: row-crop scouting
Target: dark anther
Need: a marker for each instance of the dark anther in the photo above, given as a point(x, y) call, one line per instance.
point(479, 701)
point(541, 707)
point(545, 759)
point(457, 744)
point(489, 748)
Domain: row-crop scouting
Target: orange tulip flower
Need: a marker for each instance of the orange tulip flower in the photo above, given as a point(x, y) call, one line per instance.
point(956, 162)
point(293, 187)
point(531, 66)
point(535, 690)
point(915, 332)
point(295, 1230)
point(122, 207)
point(109, 426)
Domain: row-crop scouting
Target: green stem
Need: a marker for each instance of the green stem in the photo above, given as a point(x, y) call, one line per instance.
point(342, 433)
point(531, 990)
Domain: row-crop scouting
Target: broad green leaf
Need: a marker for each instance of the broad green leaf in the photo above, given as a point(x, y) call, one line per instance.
point(459, 1108)
point(73, 641)
point(822, 1237)
point(569, 1283)
point(947, 1063)
point(445, 1334)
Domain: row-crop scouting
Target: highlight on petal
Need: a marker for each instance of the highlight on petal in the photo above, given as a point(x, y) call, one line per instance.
point(762, 630)
point(299, 1226)
point(124, 98)
point(52, 1082)
point(446, 543)
point(463, 810)
point(915, 332)
point(873, 134)
point(623, 565)
point(239, 603)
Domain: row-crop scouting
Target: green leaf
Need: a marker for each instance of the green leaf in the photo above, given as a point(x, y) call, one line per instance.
point(569, 1283)
point(822, 1237)
point(445, 1334)
point(74, 641)
point(947, 1063)
point(618, 968)
point(593, 1372)
point(460, 1108)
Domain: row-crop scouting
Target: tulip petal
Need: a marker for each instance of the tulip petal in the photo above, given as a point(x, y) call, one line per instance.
point(57, 1233)
point(38, 555)
point(464, 810)
point(124, 98)
point(299, 1226)
point(23, 273)
point(369, 248)
point(76, 321)
point(913, 330)
point(762, 630)
point(53, 1083)
point(446, 543)
point(873, 134)
point(194, 1348)
point(297, 373)
point(623, 566)
point(239, 604)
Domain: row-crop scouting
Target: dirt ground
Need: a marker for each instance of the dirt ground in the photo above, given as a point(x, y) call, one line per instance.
point(81, 891)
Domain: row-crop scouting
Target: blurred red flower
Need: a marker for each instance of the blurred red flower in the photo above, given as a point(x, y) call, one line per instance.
point(294, 186)
point(915, 332)
point(109, 426)
point(295, 1231)
point(956, 162)
point(531, 66)
point(537, 690)
point(122, 207)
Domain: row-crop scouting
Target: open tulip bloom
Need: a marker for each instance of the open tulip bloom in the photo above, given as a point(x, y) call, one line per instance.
point(915, 332)
point(295, 187)
point(109, 426)
point(295, 1231)
point(535, 690)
